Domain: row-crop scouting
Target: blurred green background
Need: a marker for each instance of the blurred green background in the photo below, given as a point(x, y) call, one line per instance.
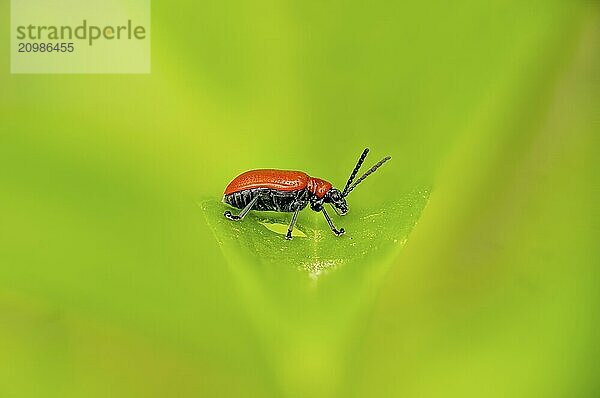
point(112, 283)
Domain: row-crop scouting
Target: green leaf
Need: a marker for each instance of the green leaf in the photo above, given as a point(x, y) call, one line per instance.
point(310, 296)
point(370, 233)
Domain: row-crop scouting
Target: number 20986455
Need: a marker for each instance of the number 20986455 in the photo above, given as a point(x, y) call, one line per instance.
point(46, 47)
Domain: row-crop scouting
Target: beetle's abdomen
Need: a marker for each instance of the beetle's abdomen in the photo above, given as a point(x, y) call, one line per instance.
point(268, 199)
point(280, 180)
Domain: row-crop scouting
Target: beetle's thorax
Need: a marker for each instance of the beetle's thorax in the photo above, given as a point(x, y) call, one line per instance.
point(318, 187)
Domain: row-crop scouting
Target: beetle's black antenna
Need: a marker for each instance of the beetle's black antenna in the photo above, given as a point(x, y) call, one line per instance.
point(356, 168)
point(369, 172)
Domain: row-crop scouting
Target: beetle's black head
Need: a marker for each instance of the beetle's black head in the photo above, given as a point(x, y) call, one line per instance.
point(337, 200)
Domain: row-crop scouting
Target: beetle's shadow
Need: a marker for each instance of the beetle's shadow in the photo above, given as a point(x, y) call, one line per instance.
point(260, 237)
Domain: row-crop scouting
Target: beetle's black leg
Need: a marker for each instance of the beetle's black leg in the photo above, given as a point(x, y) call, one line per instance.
point(288, 236)
point(242, 213)
point(335, 231)
point(336, 210)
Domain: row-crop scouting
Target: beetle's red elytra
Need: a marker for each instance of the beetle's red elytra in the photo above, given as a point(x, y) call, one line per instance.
point(280, 180)
point(291, 191)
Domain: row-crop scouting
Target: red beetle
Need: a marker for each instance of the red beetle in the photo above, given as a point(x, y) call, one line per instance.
point(290, 191)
